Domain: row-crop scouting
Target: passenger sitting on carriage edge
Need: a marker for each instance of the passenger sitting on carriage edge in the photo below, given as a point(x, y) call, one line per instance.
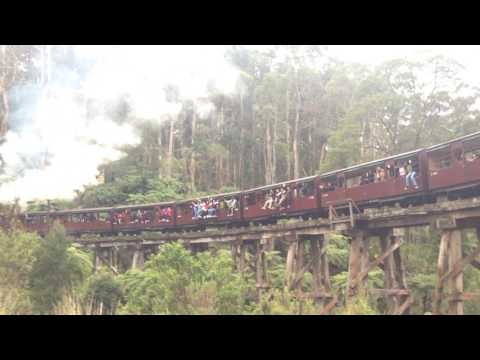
point(194, 209)
point(410, 179)
point(212, 208)
point(231, 204)
point(268, 201)
point(282, 197)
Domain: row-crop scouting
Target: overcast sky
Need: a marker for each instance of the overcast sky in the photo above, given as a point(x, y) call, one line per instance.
point(209, 59)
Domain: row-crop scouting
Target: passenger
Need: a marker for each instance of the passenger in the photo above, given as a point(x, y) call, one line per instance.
point(402, 170)
point(115, 218)
point(201, 209)
point(211, 210)
point(195, 208)
point(410, 178)
point(268, 201)
point(282, 197)
point(380, 174)
point(390, 171)
point(232, 206)
point(370, 177)
point(289, 197)
point(278, 195)
point(169, 213)
point(458, 153)
point(165, 215)
point(364, 179)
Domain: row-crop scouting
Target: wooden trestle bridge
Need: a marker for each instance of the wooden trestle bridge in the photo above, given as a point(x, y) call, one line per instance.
point(388, 224)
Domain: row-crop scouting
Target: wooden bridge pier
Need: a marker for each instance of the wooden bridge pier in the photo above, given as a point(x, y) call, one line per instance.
point(450, 267)
point(138, 257)
point(390, 260)
point(238, 249)
point(300, 261)
point(107, 257)
point(307, 242)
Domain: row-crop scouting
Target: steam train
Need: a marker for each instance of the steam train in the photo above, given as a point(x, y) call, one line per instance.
point(449, 169)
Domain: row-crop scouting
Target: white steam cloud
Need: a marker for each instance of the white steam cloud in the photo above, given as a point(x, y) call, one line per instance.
point(58, 148)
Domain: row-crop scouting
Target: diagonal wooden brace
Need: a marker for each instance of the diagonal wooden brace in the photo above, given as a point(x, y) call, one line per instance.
point(459, 266)
point(107, 263)
point(375, 262)
point(401, 309)
point(329, 307)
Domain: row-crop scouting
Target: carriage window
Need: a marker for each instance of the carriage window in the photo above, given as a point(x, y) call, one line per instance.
point(251, 199)
point(330, 184)
point(458, 154)
point(307, 189)
point(354, 181)
point(472, 149)
point(439, 159)
point(103, 216)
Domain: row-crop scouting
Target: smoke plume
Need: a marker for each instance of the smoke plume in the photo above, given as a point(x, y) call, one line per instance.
point(62, 131)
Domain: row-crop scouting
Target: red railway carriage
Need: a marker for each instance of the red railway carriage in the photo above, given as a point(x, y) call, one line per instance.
point(75, 221)
point(374, 180)
point(223, 208)
point(134, 218)
point(292, 197)
point(455, 164)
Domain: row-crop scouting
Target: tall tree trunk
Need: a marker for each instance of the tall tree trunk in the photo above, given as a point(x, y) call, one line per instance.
point(323, 154)
point(287, 127)
point(240, 174)
point(170, 148)
point(4, 112)
point(192, 162)
point(296, 161)
point(268, 155)
point(274, 152)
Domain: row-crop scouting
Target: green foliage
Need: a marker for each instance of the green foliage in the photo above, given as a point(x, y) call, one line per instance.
point(131, 189)
point(176, 282)
point(337, 250)
point(56, 269)
point(102, 293)
point(16, 263)
point(360, 305)
point(281, 302)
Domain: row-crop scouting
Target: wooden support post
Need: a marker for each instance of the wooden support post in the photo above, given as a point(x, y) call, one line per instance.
point(354, 263)
point(442, 265)
point(455, 303)
point(299, 265)
point(316, 265)
point(324, 269)
point(260, 269)
point(138, 258)
point(97, 262)
point(110, 256)
point(292, 249)
point(266, 245)
point(241, 259)
point(386, 242)
point(113, 257)
point(364, 262)
point(405, 300)
point(234, 251)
